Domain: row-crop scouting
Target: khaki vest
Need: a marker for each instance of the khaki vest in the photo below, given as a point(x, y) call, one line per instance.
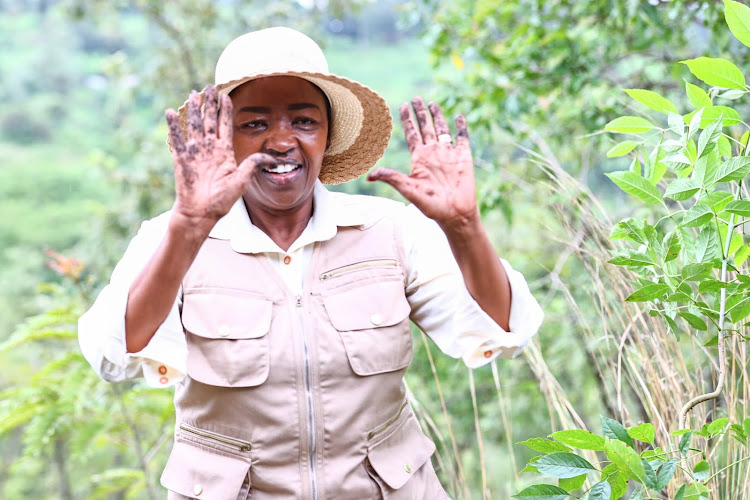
point(299, 397)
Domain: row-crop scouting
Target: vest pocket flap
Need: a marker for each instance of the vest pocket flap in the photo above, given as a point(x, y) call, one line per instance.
point(195, 472)
point(226, 316)
point(399, 455)
point(366, 306)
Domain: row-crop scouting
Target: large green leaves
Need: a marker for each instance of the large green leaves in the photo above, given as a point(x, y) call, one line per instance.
point(698, 97)
point(652, 100)
point(738, 20)
point(542, 492)
point(626, 459)
point(563, 465)
point(629, 125)
point(600, 491)
point(614, 429)
point(649, 292)
point(579, 438)
point(734, 169)
point(634, 184)
point(717, 72)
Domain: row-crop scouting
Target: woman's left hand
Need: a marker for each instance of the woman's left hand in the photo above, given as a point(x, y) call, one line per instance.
point(441, 182)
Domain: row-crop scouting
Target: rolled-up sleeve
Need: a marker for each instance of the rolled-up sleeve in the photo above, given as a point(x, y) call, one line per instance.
point(101, 330)
point(443, 308)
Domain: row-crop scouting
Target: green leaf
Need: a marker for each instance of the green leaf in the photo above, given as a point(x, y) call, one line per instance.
point(709, 137)
point(644, 432)
point(698, 97)
point(680, 495)
point(629, 125)
point(693, 320)
point(626, 459)
point(712, 342)
point(672, 326)
point(734, 169)
point(739, 309)
point(631, 259)
point(694, 121)
point(709, 115)
point(725, 147)
point(741, 255)
point(717, 200)
point(676, 124)
point(630, 228)
point(618, 481)
point(648, 292)
point(711, 285)
point(701, 470)
point(698, 215)
point(530, 466)
point(695, 491)
point(684, 445)
point(739, 207)
point(621, 149)
point(572, 483)
point(696, 272)
point(738, 20)
point(652, 100)
point(666, 473)
point(636, 185)
point(579, 438)
point(717, 425)
point(542, 492)
point(600, 491)
point(544, 445)
point(563, 465)
point(682, 189)
point(614, 429)
point(650, 474)
point(671, 245)
point(708, 246)
point(716, 72)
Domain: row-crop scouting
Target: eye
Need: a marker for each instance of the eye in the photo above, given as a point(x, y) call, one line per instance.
point(251, 125)
point(305, 122)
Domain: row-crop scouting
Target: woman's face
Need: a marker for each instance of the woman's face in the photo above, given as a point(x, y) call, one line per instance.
point(284, 117)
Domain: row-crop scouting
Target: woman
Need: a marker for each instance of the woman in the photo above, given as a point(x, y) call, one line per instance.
point(281, 311)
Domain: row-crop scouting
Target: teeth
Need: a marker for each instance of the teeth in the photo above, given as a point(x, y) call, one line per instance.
point(281, 169)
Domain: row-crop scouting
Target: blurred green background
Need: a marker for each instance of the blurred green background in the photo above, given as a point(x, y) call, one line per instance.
point(83, 160)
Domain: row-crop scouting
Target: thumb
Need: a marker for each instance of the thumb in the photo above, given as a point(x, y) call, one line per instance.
point(400, 182)
point(251, 164)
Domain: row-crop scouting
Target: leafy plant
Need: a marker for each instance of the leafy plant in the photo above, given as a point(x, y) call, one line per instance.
point(690, 272)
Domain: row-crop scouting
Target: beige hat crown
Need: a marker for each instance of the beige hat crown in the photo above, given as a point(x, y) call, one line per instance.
point(360, 120)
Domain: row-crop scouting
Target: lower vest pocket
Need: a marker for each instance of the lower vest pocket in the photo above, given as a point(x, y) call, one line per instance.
point(396, 456)
point(194, 471)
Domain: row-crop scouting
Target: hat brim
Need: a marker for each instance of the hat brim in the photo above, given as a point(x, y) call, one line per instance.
point(360, 125)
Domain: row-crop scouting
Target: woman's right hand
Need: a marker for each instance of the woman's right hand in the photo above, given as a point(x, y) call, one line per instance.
point(207, 178)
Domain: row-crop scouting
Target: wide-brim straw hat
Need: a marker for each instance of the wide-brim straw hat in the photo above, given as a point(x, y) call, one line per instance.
point(360, 126)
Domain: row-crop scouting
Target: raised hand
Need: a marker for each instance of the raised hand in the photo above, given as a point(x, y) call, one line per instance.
point(207, 178)
point(441, 183)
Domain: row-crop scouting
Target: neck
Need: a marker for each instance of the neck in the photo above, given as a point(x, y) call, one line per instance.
point(283, 228)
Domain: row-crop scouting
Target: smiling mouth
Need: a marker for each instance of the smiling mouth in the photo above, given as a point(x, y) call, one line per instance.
point(282, 168)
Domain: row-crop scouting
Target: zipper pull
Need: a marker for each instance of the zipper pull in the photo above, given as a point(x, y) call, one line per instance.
point(299, 300)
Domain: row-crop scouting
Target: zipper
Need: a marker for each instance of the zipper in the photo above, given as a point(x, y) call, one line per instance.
point(389, 423)
point(236, 443)
point(359, 265)
point(311, 442)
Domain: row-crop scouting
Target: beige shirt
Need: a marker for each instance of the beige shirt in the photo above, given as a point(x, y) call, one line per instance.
point(434, 283)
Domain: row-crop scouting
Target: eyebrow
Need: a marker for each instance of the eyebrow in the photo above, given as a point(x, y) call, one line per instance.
point(291, 107)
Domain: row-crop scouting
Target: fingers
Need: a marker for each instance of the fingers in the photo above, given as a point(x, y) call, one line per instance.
point(413, 138)
point(225, 121)
point(195, 123)
point(462, 131)
point(176, 139)
point(401, 182)
point(210, 110)
point(424, 120)
point(441, 126)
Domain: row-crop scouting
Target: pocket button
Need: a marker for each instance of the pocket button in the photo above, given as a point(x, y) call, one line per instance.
point(224, 331)
point(407, 468)
point(197, 489)
point(376, 319)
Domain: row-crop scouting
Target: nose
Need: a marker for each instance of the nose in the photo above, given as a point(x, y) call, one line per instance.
point(280, 140)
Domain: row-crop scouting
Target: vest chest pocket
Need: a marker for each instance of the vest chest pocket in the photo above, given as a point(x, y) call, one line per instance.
point(227, 338)
point(373, 321)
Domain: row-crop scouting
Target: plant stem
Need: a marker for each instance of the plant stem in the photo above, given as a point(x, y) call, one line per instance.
point(727, 467)
point(722, 347)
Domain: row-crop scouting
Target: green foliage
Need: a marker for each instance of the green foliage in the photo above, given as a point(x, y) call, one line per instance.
point(687, 267)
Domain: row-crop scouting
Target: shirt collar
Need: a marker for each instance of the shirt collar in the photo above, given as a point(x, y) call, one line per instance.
point(330, 211)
